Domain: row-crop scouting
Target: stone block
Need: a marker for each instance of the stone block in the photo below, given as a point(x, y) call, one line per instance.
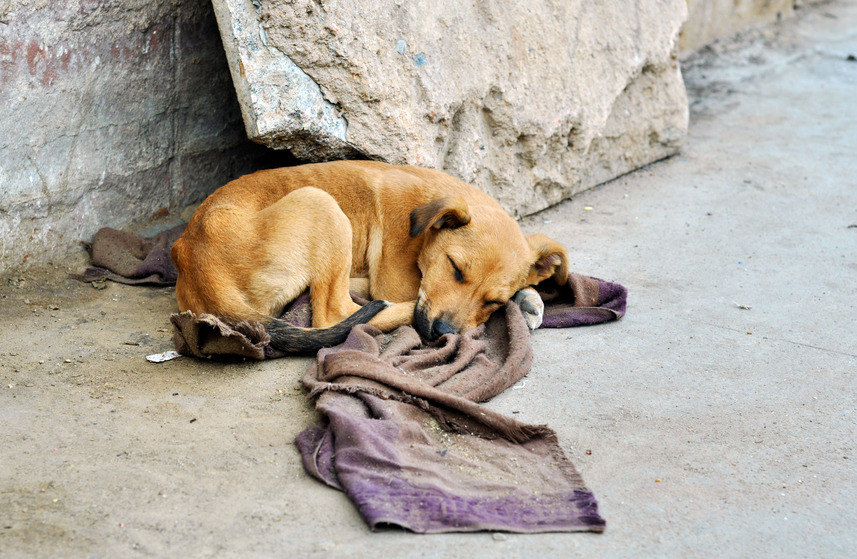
point(530, 101)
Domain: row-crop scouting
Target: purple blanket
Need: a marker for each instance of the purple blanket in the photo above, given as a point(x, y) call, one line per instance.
point(403, 434)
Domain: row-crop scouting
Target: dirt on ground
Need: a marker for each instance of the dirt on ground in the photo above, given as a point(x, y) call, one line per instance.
point(100, 445)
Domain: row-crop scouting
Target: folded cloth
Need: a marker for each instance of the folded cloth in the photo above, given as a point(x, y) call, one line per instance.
point(403, 433)
point(207, 336)
point(125, 257)
point(583, 301)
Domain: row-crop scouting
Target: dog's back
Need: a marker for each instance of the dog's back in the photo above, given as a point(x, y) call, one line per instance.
point(249, 250)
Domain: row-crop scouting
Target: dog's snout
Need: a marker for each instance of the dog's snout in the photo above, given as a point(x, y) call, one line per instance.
point(428, 328)
point(440, 327)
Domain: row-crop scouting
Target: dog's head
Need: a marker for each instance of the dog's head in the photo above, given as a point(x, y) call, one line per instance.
point(474, 258)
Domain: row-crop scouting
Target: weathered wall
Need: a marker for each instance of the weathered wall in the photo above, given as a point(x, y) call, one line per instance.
point(111, 110)
point(530, 101)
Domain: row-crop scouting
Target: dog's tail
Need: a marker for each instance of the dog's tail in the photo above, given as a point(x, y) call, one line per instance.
point(294, 339)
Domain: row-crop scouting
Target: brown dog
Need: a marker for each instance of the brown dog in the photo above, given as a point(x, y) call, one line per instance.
point(444, 252)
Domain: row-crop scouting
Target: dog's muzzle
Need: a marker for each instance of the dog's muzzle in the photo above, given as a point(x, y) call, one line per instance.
point(440, 327)
point(428, 328)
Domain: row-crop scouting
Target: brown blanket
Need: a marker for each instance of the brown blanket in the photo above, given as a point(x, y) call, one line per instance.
point(404, 435)
point(125, 257)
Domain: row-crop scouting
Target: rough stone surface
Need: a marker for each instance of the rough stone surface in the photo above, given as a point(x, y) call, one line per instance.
point(111, 111)
point(296, 116)
point(531, 101)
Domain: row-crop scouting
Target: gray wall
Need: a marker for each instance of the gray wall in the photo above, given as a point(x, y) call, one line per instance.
point(111, 110)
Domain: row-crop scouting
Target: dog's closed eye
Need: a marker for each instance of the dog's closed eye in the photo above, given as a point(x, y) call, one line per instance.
point(459, 277)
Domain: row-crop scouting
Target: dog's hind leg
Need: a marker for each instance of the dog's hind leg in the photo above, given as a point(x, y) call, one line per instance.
point(307, 241)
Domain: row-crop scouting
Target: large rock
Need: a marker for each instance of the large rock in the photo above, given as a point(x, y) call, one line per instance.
point(531, 101)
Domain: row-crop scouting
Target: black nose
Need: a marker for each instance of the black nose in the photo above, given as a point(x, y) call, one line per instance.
point(439, 328)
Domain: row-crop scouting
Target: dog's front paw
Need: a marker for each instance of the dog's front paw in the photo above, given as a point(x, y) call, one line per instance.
point(532, 306)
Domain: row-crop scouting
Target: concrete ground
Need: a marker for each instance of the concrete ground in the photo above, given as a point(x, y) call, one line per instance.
point(717, 419)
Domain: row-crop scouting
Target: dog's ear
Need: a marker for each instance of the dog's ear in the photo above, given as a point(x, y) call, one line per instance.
point(550, 260)
point(448, 212)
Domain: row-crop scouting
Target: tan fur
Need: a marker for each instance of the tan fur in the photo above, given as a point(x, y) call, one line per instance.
point(259, 241)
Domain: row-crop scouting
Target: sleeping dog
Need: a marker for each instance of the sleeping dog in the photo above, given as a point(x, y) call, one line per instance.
point(430, 251)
